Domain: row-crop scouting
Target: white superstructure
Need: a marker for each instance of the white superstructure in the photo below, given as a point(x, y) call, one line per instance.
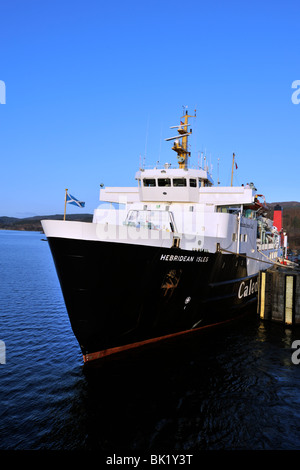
point(181, 206)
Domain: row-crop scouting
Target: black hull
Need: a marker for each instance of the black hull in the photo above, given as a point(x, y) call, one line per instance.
point(118, 295)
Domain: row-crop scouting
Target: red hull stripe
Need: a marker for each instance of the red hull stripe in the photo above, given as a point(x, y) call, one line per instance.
point(107, 352)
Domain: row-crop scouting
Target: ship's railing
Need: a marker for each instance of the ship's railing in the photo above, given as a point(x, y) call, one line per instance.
point(165, 166)
point(267, 246)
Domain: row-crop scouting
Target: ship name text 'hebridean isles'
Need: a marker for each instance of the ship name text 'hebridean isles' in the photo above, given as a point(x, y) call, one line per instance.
point(190, 259)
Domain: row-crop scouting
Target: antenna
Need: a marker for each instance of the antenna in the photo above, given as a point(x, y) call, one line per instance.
point(233, 155)
point(146, 140)
point(160, 142)
point(142, 162)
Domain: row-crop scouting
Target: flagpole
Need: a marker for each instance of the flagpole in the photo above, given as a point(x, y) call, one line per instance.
point(66, 190)
point(232, 168)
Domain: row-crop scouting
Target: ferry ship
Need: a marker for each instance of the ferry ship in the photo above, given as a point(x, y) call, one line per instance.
point(167, 257)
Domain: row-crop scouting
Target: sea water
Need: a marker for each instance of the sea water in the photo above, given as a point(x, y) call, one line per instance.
point(235, 388)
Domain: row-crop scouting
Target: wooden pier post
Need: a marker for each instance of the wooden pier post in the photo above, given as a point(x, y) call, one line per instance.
point(279, 295)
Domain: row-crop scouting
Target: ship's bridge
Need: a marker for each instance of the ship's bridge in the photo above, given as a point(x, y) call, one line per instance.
point(172, 184)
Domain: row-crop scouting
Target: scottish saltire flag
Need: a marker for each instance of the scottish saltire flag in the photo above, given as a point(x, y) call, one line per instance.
point(72, 200)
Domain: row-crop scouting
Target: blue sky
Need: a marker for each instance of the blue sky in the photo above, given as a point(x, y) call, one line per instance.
point(93, 86)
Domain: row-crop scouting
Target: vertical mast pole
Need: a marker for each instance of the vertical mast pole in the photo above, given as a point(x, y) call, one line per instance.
point(185, 140)
point(232, 168)
point(66, 192)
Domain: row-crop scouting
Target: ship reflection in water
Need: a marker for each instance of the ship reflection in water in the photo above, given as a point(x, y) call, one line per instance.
point(229, 390)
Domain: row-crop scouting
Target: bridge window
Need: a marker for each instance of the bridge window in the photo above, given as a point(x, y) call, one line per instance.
point(149, 182)
point(249, 214)
point(164, 182)
point(179, 182)
point(193, 183)
point(151, 220)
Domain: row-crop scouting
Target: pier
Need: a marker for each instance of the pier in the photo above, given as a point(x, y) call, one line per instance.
point(279, 294)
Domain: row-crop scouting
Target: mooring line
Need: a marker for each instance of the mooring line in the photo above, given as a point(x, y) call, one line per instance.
point(260, 260)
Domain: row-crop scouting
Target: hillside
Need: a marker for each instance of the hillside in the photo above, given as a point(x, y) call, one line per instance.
point(34, 223)
point(291, 221)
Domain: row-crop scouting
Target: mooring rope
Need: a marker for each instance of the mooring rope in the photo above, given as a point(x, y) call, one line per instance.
point(260, 260)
